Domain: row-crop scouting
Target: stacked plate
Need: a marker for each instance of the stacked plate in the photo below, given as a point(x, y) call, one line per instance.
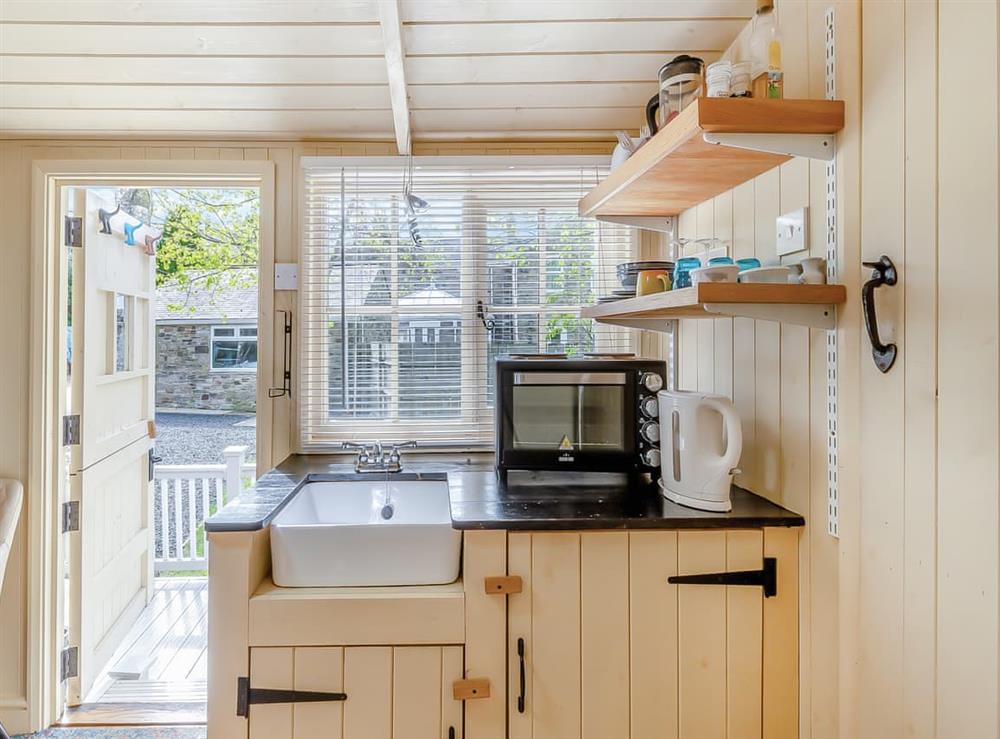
point(628, 272)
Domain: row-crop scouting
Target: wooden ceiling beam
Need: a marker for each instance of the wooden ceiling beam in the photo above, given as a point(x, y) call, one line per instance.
point(392, 38)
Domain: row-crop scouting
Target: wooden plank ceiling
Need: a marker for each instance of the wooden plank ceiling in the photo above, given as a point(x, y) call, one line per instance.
point(471, 69)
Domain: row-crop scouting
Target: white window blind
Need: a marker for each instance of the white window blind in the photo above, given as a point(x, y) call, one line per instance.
point(399, 339)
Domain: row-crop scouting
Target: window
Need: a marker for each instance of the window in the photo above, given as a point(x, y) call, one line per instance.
point(400, 334)
point(234, 349)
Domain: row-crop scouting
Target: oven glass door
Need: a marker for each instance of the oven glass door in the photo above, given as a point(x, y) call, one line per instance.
point(581, 412)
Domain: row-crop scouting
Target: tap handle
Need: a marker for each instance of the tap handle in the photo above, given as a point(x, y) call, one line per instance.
point(353, 445)
point(404, 445)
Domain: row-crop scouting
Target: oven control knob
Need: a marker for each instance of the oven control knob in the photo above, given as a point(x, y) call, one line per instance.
point(650, 431)
point(651, 381)
point(651, 457)
point(650, 407)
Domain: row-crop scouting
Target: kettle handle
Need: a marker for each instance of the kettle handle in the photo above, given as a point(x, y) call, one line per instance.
point(734, 431)
point(651, 107)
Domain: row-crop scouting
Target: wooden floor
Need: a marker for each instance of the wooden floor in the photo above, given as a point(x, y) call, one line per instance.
point(163, 659)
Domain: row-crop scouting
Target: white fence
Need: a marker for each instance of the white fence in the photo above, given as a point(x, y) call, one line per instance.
point(183, 496)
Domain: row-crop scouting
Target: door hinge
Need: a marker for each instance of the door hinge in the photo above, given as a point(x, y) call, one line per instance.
point(69, 663)
point(766, 577)
point(71, 429)
point(153, 461)
point(70, 516)
point(247, 696)
point(73, 231)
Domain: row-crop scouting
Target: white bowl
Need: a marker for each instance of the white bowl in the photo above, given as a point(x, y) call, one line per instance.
point(715, 273)
point(774, 275)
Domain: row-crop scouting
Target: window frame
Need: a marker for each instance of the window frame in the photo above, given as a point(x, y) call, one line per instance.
point(473, 370)
point(238, 338)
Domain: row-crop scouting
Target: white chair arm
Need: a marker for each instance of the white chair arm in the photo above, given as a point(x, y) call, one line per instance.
point(11, 497)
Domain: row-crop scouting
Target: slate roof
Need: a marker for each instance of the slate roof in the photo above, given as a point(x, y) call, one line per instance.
point(221, 303)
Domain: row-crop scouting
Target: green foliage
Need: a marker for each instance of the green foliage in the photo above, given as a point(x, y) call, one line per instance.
point(207, 235)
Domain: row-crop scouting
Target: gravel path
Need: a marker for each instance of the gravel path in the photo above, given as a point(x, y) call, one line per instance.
point(199, 438)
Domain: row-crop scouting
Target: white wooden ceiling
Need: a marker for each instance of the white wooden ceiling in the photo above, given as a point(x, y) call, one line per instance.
point(472, 69)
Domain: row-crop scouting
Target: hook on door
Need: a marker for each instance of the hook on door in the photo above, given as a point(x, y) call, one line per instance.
point(883, 273)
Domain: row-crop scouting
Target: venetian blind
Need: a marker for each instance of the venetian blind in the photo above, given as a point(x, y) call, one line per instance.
point(404, 310)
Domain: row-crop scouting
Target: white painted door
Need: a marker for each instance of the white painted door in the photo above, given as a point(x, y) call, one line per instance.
point(112, 393)
point(392, 692)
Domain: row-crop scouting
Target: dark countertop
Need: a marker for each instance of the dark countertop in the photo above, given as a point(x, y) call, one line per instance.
point(528, 501)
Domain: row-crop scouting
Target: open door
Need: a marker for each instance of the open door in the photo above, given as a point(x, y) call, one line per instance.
point(108, 433)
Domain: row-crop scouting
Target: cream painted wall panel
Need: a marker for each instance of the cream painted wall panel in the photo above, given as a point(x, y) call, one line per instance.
point(705, 229)
point(723, 349)
point(967, 365)
point(882, 496)
point(920, 373)
point(767, 345)
point(744, 338)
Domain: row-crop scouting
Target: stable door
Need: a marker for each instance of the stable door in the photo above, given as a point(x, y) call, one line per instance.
point(108, 433)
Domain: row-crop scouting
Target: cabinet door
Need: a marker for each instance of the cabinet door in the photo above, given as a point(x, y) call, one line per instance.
point(609, 648)
point(392, 692)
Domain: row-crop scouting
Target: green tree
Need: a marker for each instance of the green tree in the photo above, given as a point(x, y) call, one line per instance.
point(210, 237)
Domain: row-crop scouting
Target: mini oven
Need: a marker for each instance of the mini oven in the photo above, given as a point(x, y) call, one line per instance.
point(582, 415)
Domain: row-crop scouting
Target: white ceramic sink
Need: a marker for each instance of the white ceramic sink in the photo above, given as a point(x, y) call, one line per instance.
point(335, 534)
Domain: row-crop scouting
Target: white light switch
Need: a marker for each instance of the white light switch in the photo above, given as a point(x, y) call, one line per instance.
point(286, 276)
point(792, 232)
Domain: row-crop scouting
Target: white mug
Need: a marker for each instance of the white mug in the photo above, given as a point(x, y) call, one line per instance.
point(813, 271)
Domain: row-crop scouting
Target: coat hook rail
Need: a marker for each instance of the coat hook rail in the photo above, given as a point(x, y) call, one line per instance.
point(286, 386)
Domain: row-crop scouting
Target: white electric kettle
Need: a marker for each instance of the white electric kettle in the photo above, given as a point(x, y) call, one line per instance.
point(701, 441)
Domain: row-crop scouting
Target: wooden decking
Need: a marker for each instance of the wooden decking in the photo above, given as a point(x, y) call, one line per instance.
point(163, 659)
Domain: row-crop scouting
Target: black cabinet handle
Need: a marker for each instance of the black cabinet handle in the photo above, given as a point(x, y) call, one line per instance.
point(451, 732)
point(766, 578)
point(883, 273)
point(520, 654)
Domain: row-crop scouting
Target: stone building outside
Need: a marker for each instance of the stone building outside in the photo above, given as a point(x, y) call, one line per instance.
point(206, 347)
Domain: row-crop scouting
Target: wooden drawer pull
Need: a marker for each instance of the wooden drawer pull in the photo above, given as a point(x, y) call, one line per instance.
point(471, 688)
point(503, 585)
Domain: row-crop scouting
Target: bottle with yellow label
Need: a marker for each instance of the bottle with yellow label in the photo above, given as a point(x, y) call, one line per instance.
point(775, 77)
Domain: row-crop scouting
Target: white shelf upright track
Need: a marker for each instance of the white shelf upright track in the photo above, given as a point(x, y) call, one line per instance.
point(832, 461)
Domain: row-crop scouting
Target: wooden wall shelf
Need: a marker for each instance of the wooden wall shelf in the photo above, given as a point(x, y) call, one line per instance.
point(678, 168)
point(805, 305)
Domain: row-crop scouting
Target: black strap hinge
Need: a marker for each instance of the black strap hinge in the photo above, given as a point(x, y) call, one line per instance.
point(247, 696)
point(767, 578)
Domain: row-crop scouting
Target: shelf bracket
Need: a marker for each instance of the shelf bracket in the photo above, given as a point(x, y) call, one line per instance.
point(810, 145)
point(663, 325)
point(662, 224)
point(800, 314)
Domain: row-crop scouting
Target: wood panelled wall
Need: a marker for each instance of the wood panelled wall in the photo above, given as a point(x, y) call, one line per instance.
point(927, 616)
point(16, 158)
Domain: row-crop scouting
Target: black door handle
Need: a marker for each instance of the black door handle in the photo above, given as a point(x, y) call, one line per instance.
point(766, 578)
point(520, 654)
point(883, 273)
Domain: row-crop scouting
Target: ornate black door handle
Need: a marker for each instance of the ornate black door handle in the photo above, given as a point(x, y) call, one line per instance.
point(883, 273)
point(766, 578)
point(247, 696)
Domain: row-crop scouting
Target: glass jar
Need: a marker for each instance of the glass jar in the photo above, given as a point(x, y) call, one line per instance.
point(681, 83)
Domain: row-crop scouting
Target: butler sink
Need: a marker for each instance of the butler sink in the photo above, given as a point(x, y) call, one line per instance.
point(366, 531)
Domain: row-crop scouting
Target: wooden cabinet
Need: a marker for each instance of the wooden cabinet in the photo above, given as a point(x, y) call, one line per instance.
point(391, 692)
point(601, 645)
